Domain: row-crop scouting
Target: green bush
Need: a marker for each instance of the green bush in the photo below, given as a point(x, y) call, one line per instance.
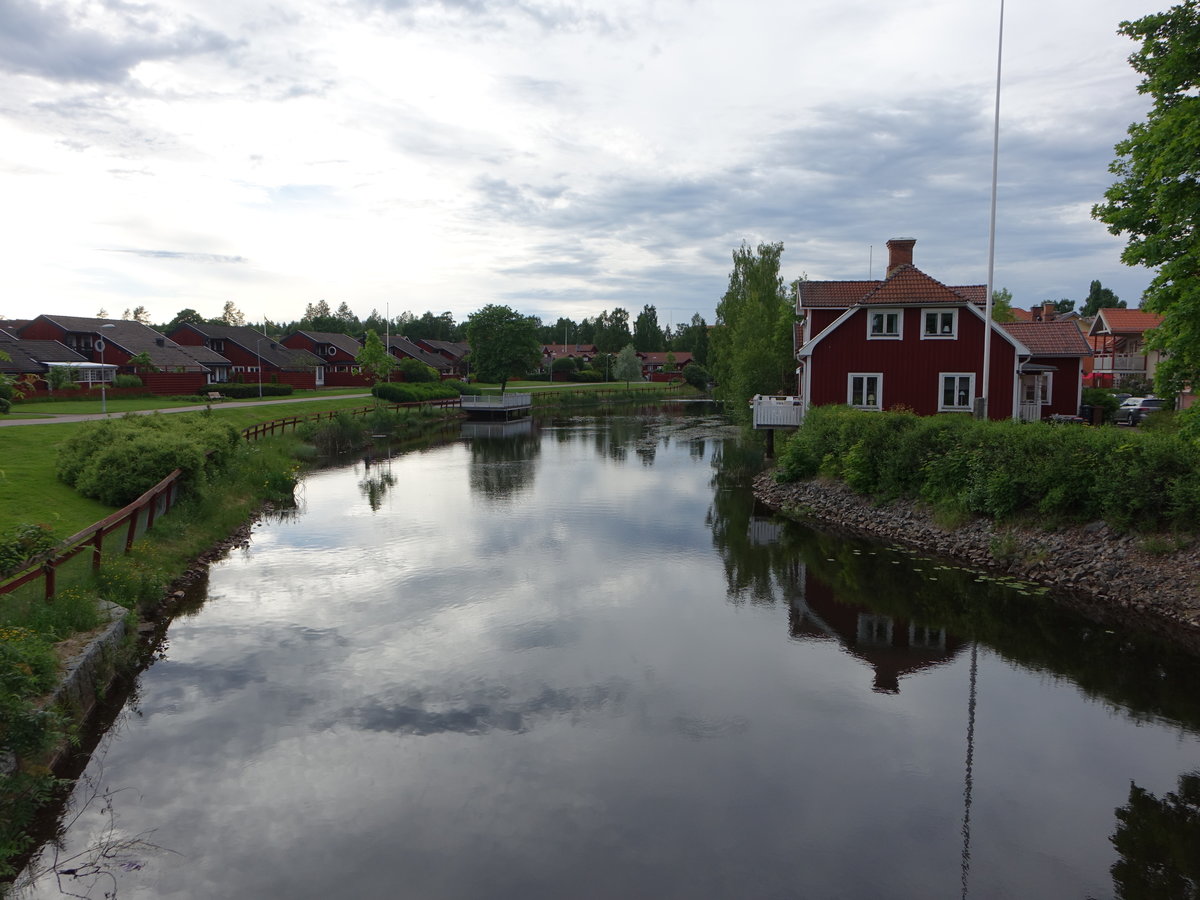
point(245, 391)
point(21, 543)
point(1104, 398)
point(117, 460)
point(416, 372)
point(408, 392)
point(697, 376)
point(127, 381)
point(1133, 480)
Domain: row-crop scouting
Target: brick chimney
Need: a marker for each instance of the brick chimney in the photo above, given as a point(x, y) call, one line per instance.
point(900, 253)
point(1047, 310)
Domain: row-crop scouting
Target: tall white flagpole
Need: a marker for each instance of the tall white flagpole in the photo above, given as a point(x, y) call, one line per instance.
point(982, 411)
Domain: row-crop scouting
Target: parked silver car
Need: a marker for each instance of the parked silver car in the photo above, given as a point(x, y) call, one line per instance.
point(1133, 410)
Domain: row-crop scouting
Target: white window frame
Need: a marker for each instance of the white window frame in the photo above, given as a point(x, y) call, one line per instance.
point(941, 334)
point(850, 378)
point(896, 335)
point(941, 399)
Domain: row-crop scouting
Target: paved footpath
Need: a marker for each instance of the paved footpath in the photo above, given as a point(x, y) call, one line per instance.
point(224, 404)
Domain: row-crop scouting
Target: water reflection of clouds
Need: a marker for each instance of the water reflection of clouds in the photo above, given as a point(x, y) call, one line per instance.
point(557, 698)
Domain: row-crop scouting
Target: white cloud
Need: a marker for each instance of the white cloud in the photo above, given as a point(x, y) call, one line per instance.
point(561, 158)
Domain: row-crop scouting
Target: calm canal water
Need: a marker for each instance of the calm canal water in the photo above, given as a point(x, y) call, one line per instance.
point(573, 661)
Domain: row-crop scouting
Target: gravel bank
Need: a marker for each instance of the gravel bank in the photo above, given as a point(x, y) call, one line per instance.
point(1137, 579)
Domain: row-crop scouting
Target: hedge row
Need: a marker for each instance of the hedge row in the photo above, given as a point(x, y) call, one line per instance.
point(236, 391)
point(415, 392)
point(1131, 479)
point(115, 461)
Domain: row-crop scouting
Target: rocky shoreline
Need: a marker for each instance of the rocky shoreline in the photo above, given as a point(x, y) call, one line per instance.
point(1148, 581)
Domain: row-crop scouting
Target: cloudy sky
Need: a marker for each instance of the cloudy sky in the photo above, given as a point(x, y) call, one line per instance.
point(558, 156)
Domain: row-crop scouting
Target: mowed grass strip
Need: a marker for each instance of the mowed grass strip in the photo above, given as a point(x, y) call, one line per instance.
point(31, 492)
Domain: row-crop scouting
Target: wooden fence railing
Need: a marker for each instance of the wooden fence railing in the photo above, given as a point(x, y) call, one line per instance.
point(137, 518)
point(263, 429)
point(140, 515)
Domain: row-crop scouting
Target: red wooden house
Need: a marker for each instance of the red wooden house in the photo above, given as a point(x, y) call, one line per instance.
point(454, 352)
point(338, 351)
point(113, 342)
point(655, 364)
point(254, 355)
point(910, 341)
point(403, 348)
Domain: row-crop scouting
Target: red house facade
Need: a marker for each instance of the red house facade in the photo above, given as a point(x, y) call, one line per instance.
point(338, 352)
point(114, 342)
point(912, 342)
point(254, 355)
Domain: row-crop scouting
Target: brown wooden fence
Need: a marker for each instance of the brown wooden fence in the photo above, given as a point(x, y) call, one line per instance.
point(136, 519)
point(139, 516)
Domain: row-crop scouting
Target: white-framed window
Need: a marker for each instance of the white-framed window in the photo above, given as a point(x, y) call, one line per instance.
point(926, 638)
point(937, 324)
point(1037, 388)
point(956, 391)
point(885, 324)
point(874, 629)
point(864, 390)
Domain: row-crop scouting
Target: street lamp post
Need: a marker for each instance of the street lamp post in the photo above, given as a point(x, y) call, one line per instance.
point(258, 353)
point(103, 383)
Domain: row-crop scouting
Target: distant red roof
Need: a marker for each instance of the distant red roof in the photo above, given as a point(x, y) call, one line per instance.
point(1124, 321)
point(1059, 337)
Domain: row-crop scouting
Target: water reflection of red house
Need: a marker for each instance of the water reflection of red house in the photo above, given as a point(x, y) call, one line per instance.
point(893, 647)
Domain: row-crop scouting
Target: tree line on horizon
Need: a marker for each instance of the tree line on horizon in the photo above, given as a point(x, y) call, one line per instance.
point(609, 331)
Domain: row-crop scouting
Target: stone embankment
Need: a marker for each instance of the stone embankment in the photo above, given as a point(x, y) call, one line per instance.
point(1151, 581)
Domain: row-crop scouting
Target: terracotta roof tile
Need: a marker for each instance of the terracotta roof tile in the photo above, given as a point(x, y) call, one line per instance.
point(838, 294)
point(907, 284)
point(1125, 321)
point(1060, 337)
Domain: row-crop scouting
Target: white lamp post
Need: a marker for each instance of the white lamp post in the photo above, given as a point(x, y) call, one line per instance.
point(103, 373)
point(258, 353)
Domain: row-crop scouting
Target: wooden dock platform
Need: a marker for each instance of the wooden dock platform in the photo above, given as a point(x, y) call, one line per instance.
point(496, 406)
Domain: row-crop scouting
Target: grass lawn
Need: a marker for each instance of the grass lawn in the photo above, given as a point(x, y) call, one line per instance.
point(31, 492)
point(132, 404)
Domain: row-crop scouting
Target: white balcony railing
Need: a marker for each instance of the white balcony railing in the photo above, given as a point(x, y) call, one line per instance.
point(496, 401)
point(777, 412)
point(1118, 362)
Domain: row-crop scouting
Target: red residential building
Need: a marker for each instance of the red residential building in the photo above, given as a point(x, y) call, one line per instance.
point(112, 343)
point(912, 342)
point(255, 356)
point(338, 352)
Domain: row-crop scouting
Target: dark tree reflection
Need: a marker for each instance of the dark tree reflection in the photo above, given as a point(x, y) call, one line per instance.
point(503, 459)
point(1159, 843)
point(375, 485)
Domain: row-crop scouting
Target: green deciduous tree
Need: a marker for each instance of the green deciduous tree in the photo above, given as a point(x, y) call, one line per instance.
point(1098, 298)
point(628, 367)
point(231, 315)
point(186, 316)
point(1002, 310)
point(503, 343)
point(750, 349)
point(693, 338)
point(1156, 200)
point(647, 333)
point(374, 358)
